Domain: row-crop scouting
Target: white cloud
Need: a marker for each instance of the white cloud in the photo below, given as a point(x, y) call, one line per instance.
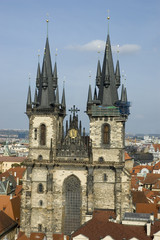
point(99, 45)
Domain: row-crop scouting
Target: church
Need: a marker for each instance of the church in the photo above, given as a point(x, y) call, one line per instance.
point(70, 175)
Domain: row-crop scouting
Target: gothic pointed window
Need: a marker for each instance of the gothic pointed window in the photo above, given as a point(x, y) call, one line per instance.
point(106, 134)
point(40, 188)
point(72, 198)
point(43, 134)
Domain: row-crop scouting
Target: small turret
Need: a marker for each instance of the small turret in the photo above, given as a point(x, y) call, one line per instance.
point(95, 95)
point(38, 76)
point(44, 77)
point(29, 100)
point(117, 75)
point(99, 74)
point(89, 101)
point(107, 78)
point(55, 77)
point(57, 96)
point(63, 102)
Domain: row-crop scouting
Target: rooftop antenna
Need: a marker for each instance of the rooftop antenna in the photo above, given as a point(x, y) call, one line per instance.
point(47, 21)
point(108, 18)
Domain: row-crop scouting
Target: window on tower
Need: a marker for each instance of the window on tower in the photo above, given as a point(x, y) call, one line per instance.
point(106, 134)
point(43, 134)
point(35, 133)
point(40, 188)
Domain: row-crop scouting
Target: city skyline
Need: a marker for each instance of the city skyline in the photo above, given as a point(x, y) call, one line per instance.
point(77, 30)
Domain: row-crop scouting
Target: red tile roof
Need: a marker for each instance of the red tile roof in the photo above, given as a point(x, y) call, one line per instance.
point(156, 147)
point(96, 229)
point(17, 172)
point(126, 156)
point(151, 178)
point(6, 223)
point(138, 197)
point(11, 159)
point(147, 208)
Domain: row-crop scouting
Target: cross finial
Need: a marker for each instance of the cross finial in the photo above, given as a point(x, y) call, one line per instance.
point(74, 110)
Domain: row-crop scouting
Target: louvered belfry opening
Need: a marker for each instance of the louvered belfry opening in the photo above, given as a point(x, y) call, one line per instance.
point(72, 212)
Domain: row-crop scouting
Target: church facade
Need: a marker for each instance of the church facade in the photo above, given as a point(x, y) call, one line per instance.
point(68, 174)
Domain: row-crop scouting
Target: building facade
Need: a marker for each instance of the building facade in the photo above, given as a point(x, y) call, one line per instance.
point(69, 174)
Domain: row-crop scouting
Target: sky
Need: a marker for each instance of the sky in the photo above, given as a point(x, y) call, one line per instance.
point(78, 29)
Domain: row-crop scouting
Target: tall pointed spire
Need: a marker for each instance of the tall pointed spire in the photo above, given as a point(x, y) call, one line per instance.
point(38, 76)
point(44, 76)
point(98, 76)
point(57, 96)
point(122, 94)
point(55, 78)
point(125, 95)
point(95, 94)
point(35, 97)
point(29, 100)
point(89, 101)
point(63, 102)
point(117, 75)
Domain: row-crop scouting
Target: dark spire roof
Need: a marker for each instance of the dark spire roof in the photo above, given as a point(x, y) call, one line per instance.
point(44, 76)
point(98, 76)
point(55, 78)
point(125, 95)
point(29, 100)
point(57, 96)
point(38, 76)
point(108, 91)
point(63, 102)
point(35, 97)
point(95, 94)
point(117, 75)
point(89, 101)
point(122, 94)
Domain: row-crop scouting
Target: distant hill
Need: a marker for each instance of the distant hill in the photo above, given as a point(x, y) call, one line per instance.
point(11, 133)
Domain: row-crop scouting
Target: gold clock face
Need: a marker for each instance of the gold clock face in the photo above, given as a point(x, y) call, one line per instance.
point(73, 133)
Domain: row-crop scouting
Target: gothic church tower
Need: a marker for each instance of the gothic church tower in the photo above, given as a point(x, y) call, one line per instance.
point(69, 175)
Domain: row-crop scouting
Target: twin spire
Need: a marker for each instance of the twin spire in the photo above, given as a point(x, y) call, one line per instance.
point(46, 92)
point(107, 82)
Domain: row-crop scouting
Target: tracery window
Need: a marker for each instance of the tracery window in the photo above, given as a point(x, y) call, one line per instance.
point(106, 133)
point(43, 134)
point(40, 188)
point(72, 195)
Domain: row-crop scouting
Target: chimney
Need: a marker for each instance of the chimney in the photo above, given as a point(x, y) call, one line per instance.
point(148, 228)
point(15, 174)
point(3, 179)
point(152, 217)
point(17, 180)
point(11, 196)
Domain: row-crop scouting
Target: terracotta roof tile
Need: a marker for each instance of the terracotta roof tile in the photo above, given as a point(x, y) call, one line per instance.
point(11, 159)
point(151, 178)
point(156, 147)
point(126, 156)
point(147, 208)
point(6, 223)
point(138, 197)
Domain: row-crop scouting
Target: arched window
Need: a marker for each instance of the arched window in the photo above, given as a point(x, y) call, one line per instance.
point(40, 203)
point(72, 211)
point(104, 177)
point(106, 134)
point(40, 157)
point(43, 134)
point(35, 134)
point(40, 188)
